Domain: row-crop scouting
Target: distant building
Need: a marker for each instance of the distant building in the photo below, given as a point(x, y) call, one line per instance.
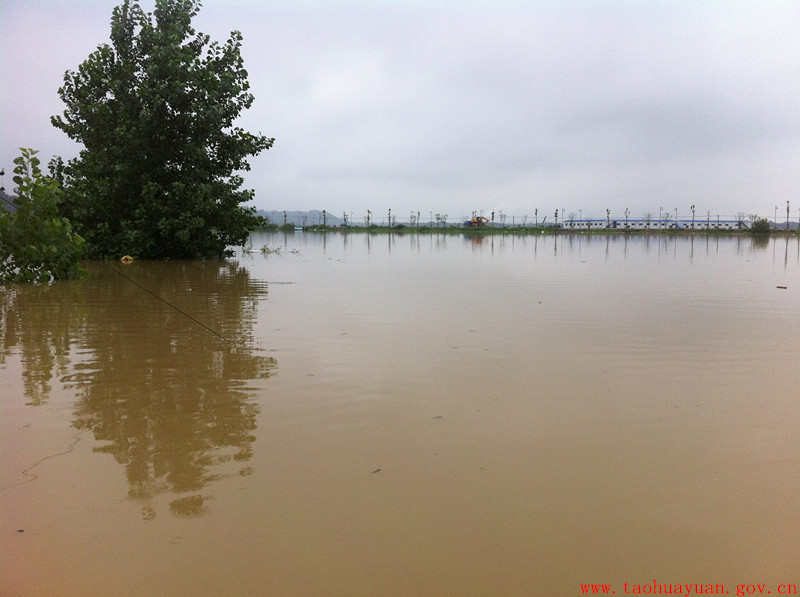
point(653, 224)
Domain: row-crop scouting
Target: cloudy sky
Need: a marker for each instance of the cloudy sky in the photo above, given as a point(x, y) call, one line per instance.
point(454, 106)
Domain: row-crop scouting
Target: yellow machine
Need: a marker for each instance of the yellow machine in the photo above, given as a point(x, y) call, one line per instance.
point(477, 221)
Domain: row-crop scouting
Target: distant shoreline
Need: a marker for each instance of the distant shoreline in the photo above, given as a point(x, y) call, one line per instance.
point(522, 230)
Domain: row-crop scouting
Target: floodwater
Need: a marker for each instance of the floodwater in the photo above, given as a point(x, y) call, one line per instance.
point(355, 415)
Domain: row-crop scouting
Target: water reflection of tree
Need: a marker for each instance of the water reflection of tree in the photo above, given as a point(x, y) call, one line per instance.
point(759, 242)
point(40, 322)
point(171, 400)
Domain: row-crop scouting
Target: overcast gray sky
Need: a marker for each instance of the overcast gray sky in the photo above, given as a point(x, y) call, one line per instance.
point(449, 106)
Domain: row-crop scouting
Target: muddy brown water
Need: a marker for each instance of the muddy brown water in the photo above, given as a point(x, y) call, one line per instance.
point(406, 415)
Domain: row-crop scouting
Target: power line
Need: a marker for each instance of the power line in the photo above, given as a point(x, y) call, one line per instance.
point(147, 290)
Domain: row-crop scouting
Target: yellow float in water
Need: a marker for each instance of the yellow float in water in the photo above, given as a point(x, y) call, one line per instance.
point(126, 259)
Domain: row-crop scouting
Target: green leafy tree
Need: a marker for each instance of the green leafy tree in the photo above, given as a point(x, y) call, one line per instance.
point(36, 243)
point(155, 111)
point(760, 226)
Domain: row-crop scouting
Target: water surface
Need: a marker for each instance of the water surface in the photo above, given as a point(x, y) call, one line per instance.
point(406, 415)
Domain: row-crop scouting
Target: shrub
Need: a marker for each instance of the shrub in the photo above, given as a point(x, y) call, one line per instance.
point(36, 243)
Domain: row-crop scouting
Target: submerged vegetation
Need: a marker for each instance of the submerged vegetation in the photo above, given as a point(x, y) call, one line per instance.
point(159, 174)
point(36, 243)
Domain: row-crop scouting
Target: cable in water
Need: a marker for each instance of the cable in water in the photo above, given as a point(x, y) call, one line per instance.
point(147, 290)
